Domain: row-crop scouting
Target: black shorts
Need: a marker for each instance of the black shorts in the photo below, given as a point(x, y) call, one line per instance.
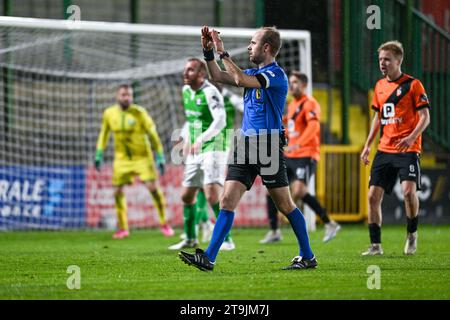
point(301, 169)
point(387, 166)
point(258, 155)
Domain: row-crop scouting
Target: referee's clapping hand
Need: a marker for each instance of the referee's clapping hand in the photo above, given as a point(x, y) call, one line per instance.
point(218, 43)
point(207, 42)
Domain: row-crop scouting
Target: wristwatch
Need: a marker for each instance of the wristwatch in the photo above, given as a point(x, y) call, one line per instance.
point(223, 55)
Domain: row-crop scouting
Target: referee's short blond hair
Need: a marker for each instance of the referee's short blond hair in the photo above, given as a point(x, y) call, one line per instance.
point(395, 47)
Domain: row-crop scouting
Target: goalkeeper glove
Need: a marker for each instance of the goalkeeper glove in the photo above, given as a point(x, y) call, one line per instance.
point(160, 162)
point(98, 159)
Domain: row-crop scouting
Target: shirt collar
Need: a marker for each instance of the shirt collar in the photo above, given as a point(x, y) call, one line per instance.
point(395, 80)
point(301, 99)
point(273, 64)
point(204, 84)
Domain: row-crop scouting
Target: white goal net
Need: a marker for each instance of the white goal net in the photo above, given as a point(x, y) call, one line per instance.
point(57, 76)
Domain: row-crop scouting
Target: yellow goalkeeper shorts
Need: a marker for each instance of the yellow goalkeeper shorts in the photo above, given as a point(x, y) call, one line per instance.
point(125, 171)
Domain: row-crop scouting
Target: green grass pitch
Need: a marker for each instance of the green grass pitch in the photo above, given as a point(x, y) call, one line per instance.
point(33, 265)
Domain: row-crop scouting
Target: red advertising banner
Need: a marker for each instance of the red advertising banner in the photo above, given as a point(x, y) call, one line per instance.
point(438, 11)
point(101, 212)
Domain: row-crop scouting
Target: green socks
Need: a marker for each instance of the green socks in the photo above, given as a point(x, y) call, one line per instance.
point(202, 208)
point(189, 221)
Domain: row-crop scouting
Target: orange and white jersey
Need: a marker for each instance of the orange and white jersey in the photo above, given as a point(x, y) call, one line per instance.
point(303, 128)
point(397, 104)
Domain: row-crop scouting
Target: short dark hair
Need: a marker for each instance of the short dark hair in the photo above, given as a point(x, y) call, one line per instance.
point(272, 36)
point(300, 76)
point(200, 63)
point(124, 86)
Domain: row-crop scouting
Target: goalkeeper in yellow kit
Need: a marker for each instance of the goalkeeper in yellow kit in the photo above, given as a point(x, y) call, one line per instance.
point(135, 138)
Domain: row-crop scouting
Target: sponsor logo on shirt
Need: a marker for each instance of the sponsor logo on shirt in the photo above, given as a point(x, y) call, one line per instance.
point(391, 121)
point(193, 113)
point(389, 115)
point(424, 98)
point(258, 94)
point(216, 102)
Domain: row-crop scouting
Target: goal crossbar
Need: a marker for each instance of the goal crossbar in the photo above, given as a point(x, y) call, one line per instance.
point(129, 28)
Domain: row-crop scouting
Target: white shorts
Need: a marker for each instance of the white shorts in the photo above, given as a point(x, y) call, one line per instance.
point(205, 168)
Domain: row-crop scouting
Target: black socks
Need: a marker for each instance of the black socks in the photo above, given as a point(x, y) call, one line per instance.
point(315, 205)
point(412, 224)
point(272, 212)
point(375, 233)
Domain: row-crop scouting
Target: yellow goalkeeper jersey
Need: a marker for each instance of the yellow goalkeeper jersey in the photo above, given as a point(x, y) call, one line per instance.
point(133, 130)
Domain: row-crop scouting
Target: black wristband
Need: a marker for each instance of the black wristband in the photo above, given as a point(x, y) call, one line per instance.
point(208, 55)
point(223, 55)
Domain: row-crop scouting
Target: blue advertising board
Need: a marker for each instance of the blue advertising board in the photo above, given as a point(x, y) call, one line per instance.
point(42, 197)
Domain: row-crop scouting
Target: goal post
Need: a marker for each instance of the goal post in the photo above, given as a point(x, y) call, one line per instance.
point(58, 75)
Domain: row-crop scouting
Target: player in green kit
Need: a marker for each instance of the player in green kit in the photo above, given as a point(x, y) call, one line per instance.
point(206, 162)
point(232, 103)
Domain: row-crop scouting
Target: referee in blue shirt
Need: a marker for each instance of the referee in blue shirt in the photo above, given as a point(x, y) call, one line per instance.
point(262, 137)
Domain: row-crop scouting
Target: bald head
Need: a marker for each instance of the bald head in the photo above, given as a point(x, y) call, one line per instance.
point(194, 73)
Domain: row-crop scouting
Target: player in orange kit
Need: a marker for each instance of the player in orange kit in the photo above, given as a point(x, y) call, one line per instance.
point(401, 115)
